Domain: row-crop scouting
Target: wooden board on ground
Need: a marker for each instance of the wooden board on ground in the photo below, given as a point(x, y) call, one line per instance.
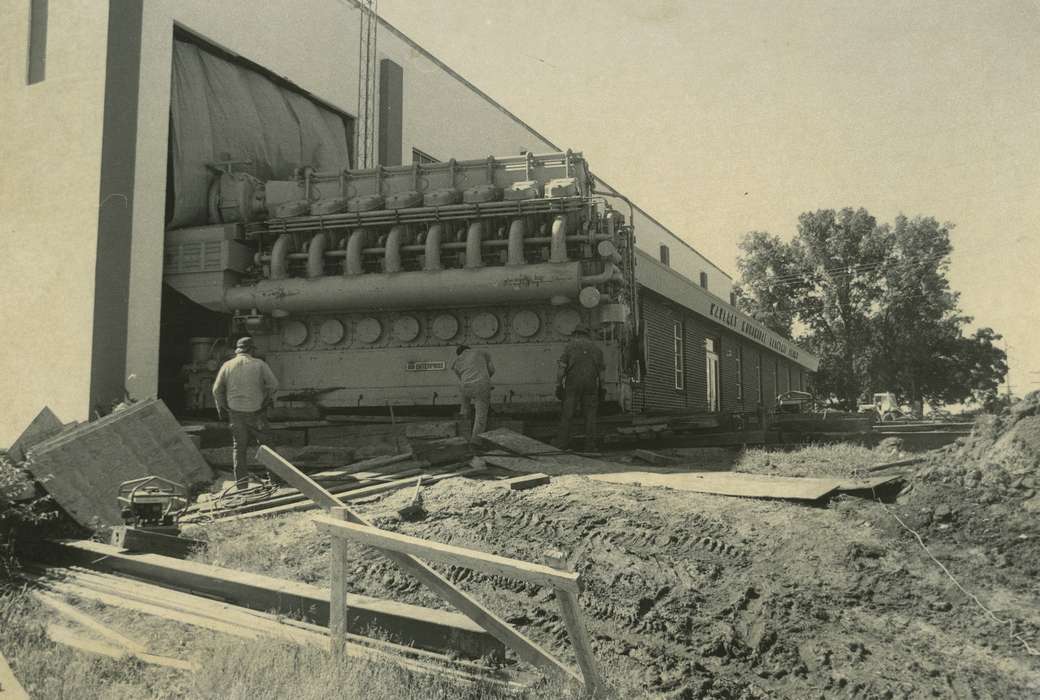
point(730, 484)
point(425, 628)
point(10, 688)
point(82, 468)
point(535, 456)
point(444, 451)
point(132, 539)
point(44, 426)
point(522, 483)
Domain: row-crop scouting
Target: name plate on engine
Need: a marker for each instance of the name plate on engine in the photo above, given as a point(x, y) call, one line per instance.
point(425, 366)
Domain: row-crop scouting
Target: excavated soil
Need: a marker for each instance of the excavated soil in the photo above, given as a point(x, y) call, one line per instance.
point(692, 595)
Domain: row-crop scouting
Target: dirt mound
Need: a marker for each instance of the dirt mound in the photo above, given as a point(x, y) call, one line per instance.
point(999, 461)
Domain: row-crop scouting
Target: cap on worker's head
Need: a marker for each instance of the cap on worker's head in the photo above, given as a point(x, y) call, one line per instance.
point(461, 349)
point(580, 329)
point(244, 344)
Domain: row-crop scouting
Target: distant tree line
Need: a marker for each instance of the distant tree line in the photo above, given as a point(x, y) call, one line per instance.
point(874, 303)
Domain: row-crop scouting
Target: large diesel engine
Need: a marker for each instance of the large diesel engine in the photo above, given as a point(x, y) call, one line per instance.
point(358, 285)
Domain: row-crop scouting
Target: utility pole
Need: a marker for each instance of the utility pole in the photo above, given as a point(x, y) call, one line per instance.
point(368, 59)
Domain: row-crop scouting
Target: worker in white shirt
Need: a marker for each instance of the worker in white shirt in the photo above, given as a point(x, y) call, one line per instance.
point(474, 370)
point(244, 387)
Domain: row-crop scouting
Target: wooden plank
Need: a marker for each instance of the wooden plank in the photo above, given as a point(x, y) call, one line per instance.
point(76, 615)
point(730, 484)
point(486, 619)
point(524, 482)
point(445, 451)
point(10, 688)
point(436, 630)
point(83, 467)
point(44, 426)
point(63, 635)
point(546, 458)
point(183, 608)
point(340, 573)
point(382, 463)
point(491, 564)
point(570, 610)
point(351, 493)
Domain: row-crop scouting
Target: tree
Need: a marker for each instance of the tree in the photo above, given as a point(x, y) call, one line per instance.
point(873, 302)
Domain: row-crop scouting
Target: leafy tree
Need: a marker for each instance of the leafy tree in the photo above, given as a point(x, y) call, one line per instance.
point(873, 302)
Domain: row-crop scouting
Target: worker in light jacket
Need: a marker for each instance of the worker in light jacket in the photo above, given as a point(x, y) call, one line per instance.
point(579, 377)
point(244, 387)
point(474, 369)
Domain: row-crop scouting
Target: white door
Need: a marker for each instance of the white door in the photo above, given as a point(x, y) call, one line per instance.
point(712, 363)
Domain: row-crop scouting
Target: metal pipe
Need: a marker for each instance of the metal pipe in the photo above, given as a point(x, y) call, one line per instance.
point(610, 274)
point(474, 235)
point(558, 240)
point(392, 256)
point(408, 290)
point(280, 257)
point(515, 253)
point(316, 255)
point(433, 248)
point(352, 263)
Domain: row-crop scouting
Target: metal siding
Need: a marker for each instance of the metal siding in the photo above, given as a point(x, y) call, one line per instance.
point(696, 332)
point(751, 397)
point(728, 373)
point(658, 391)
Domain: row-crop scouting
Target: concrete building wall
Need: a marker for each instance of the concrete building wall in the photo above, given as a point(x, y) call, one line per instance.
point(50, 144)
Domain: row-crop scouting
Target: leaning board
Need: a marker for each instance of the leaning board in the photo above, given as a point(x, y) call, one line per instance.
point(82, 468)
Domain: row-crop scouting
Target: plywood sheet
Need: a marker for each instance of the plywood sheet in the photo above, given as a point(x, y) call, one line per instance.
point(45, 425)
point(730, 484)
point(83, 467)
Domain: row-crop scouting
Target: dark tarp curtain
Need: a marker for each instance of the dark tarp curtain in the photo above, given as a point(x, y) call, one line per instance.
point(219, 107)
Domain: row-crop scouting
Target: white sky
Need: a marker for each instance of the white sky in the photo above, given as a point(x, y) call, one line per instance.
point(722, 117)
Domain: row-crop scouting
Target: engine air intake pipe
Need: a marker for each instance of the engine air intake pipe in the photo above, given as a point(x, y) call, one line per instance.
point(316, 255)
point(352, 263)
point(515, 251)
point(474, 236)
point(558, 240)
point(433, 248)
point(392, 253)
point(280, 257)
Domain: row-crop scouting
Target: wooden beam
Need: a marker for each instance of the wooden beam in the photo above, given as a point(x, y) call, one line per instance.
point(338, 601)
point(72, 613)
point(451, 555)
point(63, 635)
point(570, 609)
point(524, 647)
point(436, 630)
point(523, 482)
point(10, 688)
point(132, 539)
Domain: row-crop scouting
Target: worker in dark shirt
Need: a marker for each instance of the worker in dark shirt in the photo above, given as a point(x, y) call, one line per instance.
point(579, 376)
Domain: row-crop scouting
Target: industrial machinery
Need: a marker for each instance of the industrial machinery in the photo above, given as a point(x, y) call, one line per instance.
point(151, 502)
point(357, 285)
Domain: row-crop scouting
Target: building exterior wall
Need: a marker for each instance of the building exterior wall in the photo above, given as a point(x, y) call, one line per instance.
point(656, 389)
point(51, 143)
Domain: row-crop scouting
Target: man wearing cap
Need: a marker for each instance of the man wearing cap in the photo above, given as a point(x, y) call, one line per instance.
point(474, 370)
point(579, 378)
point(244, 387)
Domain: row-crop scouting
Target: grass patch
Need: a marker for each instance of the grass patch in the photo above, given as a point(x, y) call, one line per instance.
point(835, 460)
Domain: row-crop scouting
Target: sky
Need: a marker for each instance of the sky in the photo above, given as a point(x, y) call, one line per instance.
point(719, 118)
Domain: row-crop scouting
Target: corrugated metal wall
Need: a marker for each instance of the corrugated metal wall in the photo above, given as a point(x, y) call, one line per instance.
point(657, 391)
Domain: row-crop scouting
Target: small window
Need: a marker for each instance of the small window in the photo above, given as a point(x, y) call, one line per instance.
point(704, 280)
point(677, 336)
point(665, 257)
point(422, 158)
point(37, 41)
point(740, 373)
